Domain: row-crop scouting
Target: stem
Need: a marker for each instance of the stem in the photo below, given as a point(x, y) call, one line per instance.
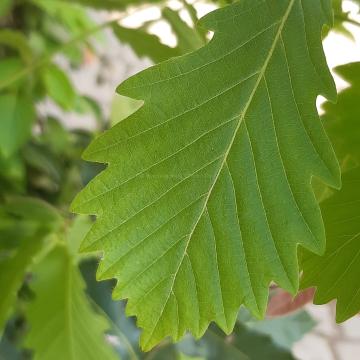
point(345, 18)
point(353, 22)
point(48, 57)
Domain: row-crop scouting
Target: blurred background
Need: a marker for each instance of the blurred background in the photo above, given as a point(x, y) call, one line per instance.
point(60, 63)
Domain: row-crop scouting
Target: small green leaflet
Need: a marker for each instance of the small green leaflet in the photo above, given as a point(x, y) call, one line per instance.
point(208, 189)
point(62, 323)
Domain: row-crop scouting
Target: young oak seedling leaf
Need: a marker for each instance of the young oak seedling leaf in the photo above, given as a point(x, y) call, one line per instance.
point(208, 190)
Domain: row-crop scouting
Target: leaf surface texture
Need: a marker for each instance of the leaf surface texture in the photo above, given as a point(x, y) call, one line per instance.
point(208, 189)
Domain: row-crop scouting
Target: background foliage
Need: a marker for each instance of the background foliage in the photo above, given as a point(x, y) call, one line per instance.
point(51, 306)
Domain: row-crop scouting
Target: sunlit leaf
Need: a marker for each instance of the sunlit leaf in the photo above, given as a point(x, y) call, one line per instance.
point(208, 190)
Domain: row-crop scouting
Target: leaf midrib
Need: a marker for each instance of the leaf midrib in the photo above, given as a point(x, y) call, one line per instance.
point(241, 118)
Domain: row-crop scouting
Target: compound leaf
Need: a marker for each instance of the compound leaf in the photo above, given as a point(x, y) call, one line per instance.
point(208, 189)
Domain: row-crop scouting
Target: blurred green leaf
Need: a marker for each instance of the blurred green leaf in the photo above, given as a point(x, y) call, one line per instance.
point(188, 38)
point(17, 117)
point(5, 6)
point(58, 86)
point(335, 274)
point(27, 221)
point(243, 343)
point(34, 210)
point(79, 227)
point(194, 18)
point(17, 41)
point(186, 357)
point(45, 171)
point(145, 44)
point(12, 174)
point(342, 120)
point(86, 104)
point(55, 136)
point(112, 4)
point(285, 330)
point(10, 66)
point(73, 330)
point(68, 14)
point(12, 273)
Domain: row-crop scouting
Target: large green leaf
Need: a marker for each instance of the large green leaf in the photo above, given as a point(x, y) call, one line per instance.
point(208, 189)
point(62, 323)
